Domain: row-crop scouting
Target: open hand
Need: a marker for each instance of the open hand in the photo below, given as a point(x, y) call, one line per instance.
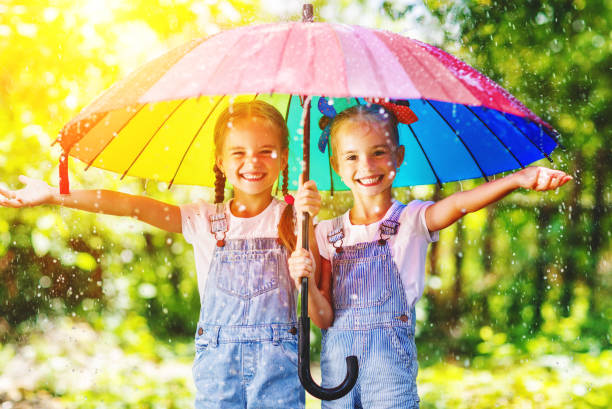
point(540, 178)
point(301, 264)
point(34, 193)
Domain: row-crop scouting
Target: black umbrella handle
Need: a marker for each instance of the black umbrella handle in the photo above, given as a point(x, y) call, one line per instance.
point(352, 366)
point(304, 322)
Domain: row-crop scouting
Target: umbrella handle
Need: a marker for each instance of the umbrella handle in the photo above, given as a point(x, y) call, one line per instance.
point(352, 366)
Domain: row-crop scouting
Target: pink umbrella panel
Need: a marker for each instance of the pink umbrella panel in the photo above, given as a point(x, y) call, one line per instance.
point(168, 107)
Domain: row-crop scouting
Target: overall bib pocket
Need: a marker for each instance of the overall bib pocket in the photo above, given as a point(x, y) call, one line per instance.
point(361, 283)
point(248, 274)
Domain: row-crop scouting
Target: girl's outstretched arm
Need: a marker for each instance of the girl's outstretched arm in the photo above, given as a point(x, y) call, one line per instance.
point(151, 211)
point(448, 210)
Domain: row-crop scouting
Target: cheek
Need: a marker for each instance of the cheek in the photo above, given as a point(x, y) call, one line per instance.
point(345, 168)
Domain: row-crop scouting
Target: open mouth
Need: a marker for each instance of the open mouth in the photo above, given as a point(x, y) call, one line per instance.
point(253, 177)
point(370, 180)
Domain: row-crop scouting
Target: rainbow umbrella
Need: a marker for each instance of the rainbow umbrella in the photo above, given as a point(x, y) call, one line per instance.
point(158, 122)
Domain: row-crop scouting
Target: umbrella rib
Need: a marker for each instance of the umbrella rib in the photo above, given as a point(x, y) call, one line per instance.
point(461, 139)
point(425, 154)
point(374, 64)
point(114, 137)
point(527, 137)
point(494, 134)
point(288, 106)
point(61, 133)
point(433, 78)
point(193, 140)
point(339, 44)
point(151, 138)
point(552, 136)
point(226, 56)
point(282, 55)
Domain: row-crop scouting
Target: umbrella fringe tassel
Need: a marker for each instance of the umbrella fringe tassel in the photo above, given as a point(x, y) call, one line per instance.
point(64, 183)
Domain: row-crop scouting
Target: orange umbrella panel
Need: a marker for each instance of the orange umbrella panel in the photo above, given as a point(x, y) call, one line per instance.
point(169, 141)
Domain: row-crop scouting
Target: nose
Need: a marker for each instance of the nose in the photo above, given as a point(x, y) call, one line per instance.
point(251, 157)
point(366, 161)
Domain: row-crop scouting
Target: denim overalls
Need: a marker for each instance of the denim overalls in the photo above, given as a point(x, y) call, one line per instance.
point(373, 321)
point(246, 342)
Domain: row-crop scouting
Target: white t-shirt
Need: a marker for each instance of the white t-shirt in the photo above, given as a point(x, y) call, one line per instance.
point(196, 229)
point(408, 247)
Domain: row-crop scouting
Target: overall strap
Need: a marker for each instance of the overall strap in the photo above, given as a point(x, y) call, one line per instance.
point(218, 224)
point(336, 234)
point(390, 226)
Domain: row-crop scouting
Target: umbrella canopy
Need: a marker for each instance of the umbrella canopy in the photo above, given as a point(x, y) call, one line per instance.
point(157, 123)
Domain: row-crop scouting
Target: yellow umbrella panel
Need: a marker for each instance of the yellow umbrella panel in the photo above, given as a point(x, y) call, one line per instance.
point(170, 141)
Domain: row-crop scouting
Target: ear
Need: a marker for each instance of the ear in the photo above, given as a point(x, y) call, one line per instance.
point(219, 162)
point(401, 150)
point(333, 161)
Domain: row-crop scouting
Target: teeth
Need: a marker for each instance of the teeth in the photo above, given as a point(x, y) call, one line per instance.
point(370, 180)
point(252, 176)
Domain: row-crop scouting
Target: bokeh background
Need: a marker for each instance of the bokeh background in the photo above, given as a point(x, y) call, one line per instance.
point(99, 312)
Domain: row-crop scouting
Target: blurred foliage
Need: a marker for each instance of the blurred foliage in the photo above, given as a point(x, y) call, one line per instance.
point(550, 254)
point(512, 290)
point(69, 364)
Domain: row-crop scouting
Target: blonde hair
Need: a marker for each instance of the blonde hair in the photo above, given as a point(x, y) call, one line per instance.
point(372, 114)
point(267, 112)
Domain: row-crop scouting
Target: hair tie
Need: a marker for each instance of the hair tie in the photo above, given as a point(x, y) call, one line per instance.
point(330, 112)
point(289, 199)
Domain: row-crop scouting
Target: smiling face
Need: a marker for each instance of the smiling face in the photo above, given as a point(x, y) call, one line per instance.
point(252, 155)
point(366, 157)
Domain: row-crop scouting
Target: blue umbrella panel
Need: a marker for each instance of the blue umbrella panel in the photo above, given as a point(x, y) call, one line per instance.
point(448, 142)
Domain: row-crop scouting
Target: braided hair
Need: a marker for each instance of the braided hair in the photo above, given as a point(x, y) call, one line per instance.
point(263, 110)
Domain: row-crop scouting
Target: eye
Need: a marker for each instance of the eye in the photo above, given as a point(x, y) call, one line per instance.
point(237, 154)
point(379, 152)
point(350, 157)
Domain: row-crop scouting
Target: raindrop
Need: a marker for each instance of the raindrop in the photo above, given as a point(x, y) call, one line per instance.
point(45, 281)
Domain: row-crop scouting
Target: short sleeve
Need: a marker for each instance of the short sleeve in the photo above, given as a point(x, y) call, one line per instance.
point(414, 216)
point(192, 216)
point(321, 236)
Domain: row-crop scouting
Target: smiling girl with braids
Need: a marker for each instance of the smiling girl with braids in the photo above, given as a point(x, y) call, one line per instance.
point(246, 338)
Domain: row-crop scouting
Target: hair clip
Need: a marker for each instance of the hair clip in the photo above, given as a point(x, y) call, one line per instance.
point(399, 107)
point(289, 199)
point(330, 112)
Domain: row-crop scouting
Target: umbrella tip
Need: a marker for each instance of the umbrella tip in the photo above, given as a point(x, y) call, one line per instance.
point(307, 13)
